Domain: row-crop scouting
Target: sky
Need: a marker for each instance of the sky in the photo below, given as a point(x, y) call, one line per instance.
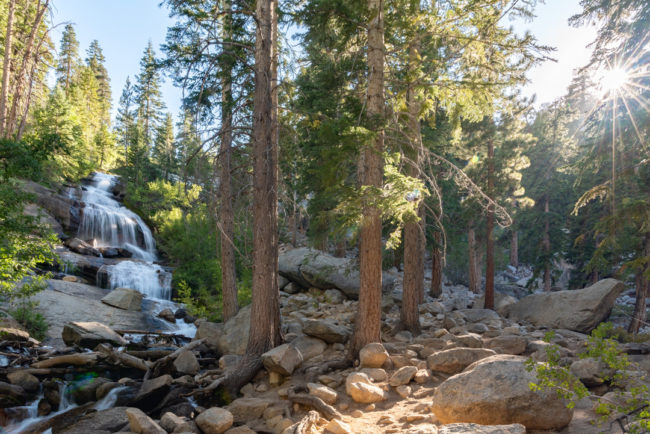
point(124, 27)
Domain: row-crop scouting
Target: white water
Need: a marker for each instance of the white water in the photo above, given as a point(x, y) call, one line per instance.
point(148, 278)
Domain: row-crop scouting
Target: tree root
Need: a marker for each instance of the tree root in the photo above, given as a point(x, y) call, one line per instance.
point(314, 402)
point(305, 425)
point(312, 372)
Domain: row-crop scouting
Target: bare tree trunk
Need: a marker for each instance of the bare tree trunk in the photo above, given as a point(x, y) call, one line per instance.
point(228, 282)
point(22, 72)
point(514, 248)
point(265, 308)
point(4, 92)
point(293, 221)
point(422, 245)
point(546, 243)
point(368, 322)
point(436, 266)
point(489, 251)
point(340, 248)
point(413, 253)
point(642, 285)
point(474, 277)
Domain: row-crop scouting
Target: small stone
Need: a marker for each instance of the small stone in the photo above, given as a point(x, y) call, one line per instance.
point(25, 380)
point(422, 376)
point(172, 423)
point(373, 356)
point(167, 315)
point(403, 376)
point(344, 406)
point(404, 336)
point(370, 407)
point(385, 420)
point(404, 391)
point(377, 374)
point(214, 420)
point(357, 413)
point(244, 409)
point(282, 359)
point(323, 392)
point(336, 426)
point(186, 363)
point(261, 388)
point(140, 423)
point(275, 379)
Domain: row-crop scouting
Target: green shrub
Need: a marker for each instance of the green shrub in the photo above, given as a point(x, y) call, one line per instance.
point(33, 321)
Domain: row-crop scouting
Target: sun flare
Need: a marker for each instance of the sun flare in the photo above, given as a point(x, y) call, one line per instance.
point(614, 79)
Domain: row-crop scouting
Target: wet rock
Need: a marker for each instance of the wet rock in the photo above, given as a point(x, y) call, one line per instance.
point(110, 420)
point(140, 423)
point(152, 391)
point(473, 428)
point(11, 395)
point(578, 310)
point(282, 359)
point(359, 387)
point(86, 390)
point(214, 420)
point(186, 363)
point(495, 391)
point(124, 298)
point(167, 315)
point(90, 334)
point(455, 360)
point(326, 330)
point(309, 347)
point(403, 376)
point(373, 355)
point(25, 380)
point(44, 408)
point(81, 247)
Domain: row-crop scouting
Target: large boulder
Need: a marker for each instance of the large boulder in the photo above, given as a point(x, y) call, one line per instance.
point(82, 247)
point(312, 268)
point(62, 208)
point(496, 391)
point(326, 330)
point(455, 360)
point(579, 310)
point(124, 298)
point(110, 420)
point(502, 302)
point(90, 334)
point(282, 359)
point(228, 338)
point(359, 387)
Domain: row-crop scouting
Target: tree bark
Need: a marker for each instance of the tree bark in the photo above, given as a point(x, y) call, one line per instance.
point(489, 251)
point(514, 248)
point(265, 308)
point(642, 286)
point(546, 244)
point(4, 92)
point(368, 323)
point(413, 284)
point(339, 252)
point(228, 282)
point(474, 276)
point(436, 266)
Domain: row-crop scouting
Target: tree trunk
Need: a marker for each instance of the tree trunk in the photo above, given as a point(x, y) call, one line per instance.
point(265, 308)
point(642, 286)
point(4, 92)
point(228, 283)
point(422, 245)
point(436, 266)
point(489, 251)
point(547, 247)
point(368, 322)
point(339, 252)
point(413, 284)
point(474, 276)
point(22, 72)
point(514, 248)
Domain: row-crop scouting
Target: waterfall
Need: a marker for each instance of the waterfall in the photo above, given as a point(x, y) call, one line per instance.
point(107, 223)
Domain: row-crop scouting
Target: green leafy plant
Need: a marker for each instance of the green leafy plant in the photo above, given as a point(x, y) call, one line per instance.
point(33, 321)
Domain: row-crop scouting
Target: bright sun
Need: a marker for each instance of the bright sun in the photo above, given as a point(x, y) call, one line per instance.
point(613, 80)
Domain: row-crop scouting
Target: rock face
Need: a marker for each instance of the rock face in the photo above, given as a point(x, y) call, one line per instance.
point(455, 360)
point(90, 334)
point(228, 338)
point(580, 310)
point(124, 298)
point(495, 391)
point(63, 209)
point(312, 268)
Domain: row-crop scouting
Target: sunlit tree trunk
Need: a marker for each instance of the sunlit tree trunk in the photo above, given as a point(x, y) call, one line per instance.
point(228, 282)
point(436, 266)
point(368, 322)
point(4, 91)
point(546, 245)
point(489, 251)
point(514, 248)
point(265, 307)
point(642, 285)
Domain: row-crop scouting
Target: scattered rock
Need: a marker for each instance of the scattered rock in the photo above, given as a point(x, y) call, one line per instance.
point(578, 310)
point(326, 330)
point(153, 390)
point(508, 344)
point(90, 334)
point(140, 423)
point(11, 395)
point(81, 247)
point(590, 371)
point(360, 389)
point(215, 420)
point(124, 298)
point(27, 381)
point(373, 356)
point(245, 409)
point(328, 395)
point(186, 363)
point(336, 426)
point(496, 391)
point(456, 359)
point(110, 420)
point(167, 315)
point(283, 359)
point(309, 347)
point(403, 376)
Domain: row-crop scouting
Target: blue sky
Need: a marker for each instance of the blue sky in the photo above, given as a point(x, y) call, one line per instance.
point(123, 28)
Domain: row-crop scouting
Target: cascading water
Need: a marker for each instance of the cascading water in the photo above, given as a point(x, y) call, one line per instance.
point(106, 223)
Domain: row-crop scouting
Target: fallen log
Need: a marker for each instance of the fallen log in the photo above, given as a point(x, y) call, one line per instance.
point(149, 354)
point(118, 357)
point(171, 357)
point(314, 402)
point(79, 359)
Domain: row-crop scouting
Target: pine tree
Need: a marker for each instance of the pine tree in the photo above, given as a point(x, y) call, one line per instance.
point(148, 96)
point(95, 60)
point(68, 63)
point(164, 150)
point(125, 116)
